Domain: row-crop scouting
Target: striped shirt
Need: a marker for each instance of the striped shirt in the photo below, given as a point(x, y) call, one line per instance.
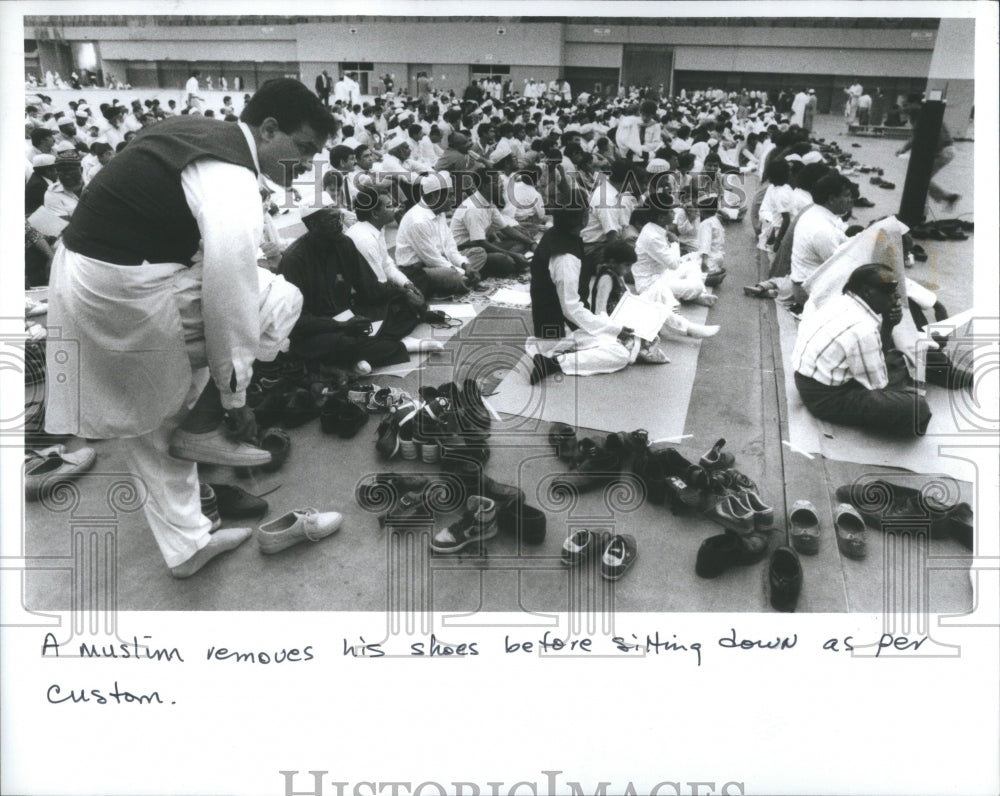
point(840, 342)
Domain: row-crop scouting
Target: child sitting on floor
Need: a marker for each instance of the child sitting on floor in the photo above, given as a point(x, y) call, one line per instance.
point(610, 286)
point(711, 239)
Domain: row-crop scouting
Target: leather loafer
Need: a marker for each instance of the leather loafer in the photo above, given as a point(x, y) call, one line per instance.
point(216, 447)
point(562, 438)
point(717, 554)
point(850, 530)
point(297, 526)
point(785, 577)
point(237, 504)
point(525, 522)
point(349, 420)
point(804, 527)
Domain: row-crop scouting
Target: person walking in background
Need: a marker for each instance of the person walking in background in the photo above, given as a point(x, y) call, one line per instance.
point(944, 153)
point(191, 88)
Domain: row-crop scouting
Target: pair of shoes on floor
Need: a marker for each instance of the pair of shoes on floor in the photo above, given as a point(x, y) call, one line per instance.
point(45, 468)
point(297, 526)
point(862, 201)
point(849, 527)
point(877, 180)
point(742, 512)
point(765, 289)
point(616, 552)
point(658, 471)
point(880, 502)
point(596, 462)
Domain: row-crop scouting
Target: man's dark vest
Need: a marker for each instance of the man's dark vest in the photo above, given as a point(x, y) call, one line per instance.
point(546, 311)
point(134, 210)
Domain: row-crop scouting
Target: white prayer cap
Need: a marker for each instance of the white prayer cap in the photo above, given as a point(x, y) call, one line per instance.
point(396, 142)
point(435, 181)
point(501, 151)
point(812, 157)
point(794, 158)
point(679, 145)
point(65, 146)
point(40, 161)
point(713, 141)
point(657, 165)
point(573, 128)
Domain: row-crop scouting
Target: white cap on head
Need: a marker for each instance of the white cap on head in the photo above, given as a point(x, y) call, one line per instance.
point(500, 151)
point(812, 157)
point(712, 141)
point(40, 161)
point(657, 165)
point(435, 181)
point(794, 158)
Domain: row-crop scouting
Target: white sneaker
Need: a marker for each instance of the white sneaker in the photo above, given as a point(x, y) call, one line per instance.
point(216, 447)
point(295, 527)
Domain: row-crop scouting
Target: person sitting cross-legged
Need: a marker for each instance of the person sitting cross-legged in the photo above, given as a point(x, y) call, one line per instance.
point(843, 371)
point(597, 344)
point(478, 222)
point(325, 265)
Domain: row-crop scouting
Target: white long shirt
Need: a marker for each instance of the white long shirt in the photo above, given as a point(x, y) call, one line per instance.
point(424, 237)
point(565, 272)
point(370, 243)
point(817, 235)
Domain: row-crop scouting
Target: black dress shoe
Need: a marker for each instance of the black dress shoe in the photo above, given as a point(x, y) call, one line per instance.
point(717, 554)
point(238, 504)
point(349, 420)
point(785, 577)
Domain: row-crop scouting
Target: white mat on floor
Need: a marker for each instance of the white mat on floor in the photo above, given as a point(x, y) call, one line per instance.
point(653, 397)
point(841, 443)
point(462, 312)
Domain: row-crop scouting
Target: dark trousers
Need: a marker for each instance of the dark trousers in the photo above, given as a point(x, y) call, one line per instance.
point(894, 411)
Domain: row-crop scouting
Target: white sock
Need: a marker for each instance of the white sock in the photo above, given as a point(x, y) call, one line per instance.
point(413, 345)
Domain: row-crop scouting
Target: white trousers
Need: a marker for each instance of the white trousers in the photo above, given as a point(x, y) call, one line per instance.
point(583, 354)
point(684, 283)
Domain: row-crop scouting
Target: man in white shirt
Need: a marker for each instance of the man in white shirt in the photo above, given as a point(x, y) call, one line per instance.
point(478, 223)
point(375, 211)
point(841, 369)
point(425, 244)
point(194, 101)
point(819, 230)
point(607, 218)
point(173, 285)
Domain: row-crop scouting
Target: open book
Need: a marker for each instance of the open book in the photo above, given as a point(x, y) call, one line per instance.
point(643, 317)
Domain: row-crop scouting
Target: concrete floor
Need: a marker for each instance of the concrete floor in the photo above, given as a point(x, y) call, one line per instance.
point(98, 545)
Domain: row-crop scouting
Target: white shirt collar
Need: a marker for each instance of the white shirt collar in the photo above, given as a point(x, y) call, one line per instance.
point(250, 143)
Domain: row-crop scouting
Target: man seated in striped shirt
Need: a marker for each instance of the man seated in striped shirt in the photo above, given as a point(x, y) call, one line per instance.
point(843, 370)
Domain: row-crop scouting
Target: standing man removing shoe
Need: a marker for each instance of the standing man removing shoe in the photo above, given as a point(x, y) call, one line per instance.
point(165, 299)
